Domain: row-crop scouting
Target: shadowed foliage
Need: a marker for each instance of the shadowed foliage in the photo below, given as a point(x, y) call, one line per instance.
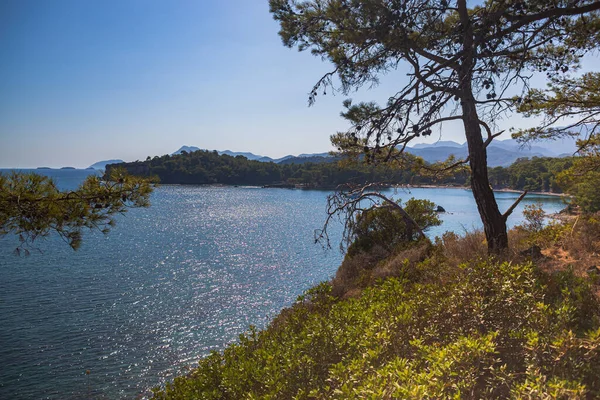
point(32, 207)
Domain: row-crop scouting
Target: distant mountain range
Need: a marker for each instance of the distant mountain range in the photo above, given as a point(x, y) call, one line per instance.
point(187, 149)
point(500, 152)
point(441, 143)
point(289, 159)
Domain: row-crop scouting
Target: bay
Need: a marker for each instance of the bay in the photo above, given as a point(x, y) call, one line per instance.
point(171, 283)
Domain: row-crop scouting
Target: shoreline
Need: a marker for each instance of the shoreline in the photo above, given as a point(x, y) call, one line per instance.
point(505, 190)
point(539, 193)
point(300, 187)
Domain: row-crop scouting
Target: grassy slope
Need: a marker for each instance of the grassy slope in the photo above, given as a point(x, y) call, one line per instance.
point(437, 321)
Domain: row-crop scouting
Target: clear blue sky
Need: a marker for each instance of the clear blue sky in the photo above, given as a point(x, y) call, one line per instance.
point(89, 80)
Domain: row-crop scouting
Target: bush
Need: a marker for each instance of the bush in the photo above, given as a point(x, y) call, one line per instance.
point(584, 188)
point(491, 330)
point(384, 245)
point(583, 235)
point(534, 217)
point(384, 226)
point(459, 249)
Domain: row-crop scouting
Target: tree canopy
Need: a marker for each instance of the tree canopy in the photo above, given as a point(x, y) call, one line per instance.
point(386, 227)
point(466, 63)
point(32, 207)
point(207, 167)
point(571, 107)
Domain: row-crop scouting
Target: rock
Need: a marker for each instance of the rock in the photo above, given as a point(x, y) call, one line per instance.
point(440, 209)
point(593, 271)
point(534, 252)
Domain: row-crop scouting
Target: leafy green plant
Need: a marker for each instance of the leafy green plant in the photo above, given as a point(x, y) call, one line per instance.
point(384, 226)
point(491, 330)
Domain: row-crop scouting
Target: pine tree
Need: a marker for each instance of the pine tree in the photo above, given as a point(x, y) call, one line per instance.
point(464, 65)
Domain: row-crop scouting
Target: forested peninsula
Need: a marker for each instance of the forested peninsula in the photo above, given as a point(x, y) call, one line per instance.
point(208, 167)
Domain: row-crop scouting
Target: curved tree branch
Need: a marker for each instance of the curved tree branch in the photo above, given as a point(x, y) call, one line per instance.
point(346, 204)
point(515, 204)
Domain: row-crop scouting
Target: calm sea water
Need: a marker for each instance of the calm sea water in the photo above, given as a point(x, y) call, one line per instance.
point(169, 284)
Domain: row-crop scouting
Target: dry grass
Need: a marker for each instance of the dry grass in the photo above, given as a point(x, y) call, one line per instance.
point(402, 263)
point(354, 273)
point(460, 249)
point(570, 244)
point(367, 268)
point(576, 246)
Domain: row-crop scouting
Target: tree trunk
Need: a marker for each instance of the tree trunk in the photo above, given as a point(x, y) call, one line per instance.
point(494, 223)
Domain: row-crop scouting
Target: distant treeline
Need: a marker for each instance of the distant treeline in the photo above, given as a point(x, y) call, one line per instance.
point(537, 174)
point(208, 167)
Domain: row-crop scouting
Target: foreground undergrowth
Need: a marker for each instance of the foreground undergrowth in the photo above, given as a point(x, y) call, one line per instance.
point(434, 329)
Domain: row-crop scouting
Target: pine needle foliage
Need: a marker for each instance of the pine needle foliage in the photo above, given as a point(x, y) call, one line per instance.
point(467, 62)
point(32, 207)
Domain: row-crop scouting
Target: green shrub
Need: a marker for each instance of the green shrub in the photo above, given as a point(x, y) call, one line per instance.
point(489, 331)
point(384, 226)
point(583, 186)
point(384, 245)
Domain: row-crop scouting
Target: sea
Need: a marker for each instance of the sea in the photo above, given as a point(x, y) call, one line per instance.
point(171, 283)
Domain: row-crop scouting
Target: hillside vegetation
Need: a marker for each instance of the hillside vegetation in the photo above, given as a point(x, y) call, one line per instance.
point(428, 320)
point(205, 167)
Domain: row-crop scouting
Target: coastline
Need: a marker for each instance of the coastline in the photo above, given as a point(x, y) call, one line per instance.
point(540, 193)
point(506, 190)
point(333, 188)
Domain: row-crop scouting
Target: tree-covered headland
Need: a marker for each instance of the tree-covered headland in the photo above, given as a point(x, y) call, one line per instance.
point(537, 174)
point(208, 167)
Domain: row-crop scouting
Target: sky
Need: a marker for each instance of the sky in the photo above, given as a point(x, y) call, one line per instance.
point(89, 80)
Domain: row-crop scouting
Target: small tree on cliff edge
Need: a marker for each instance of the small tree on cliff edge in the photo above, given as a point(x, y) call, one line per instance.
point(464, 63)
